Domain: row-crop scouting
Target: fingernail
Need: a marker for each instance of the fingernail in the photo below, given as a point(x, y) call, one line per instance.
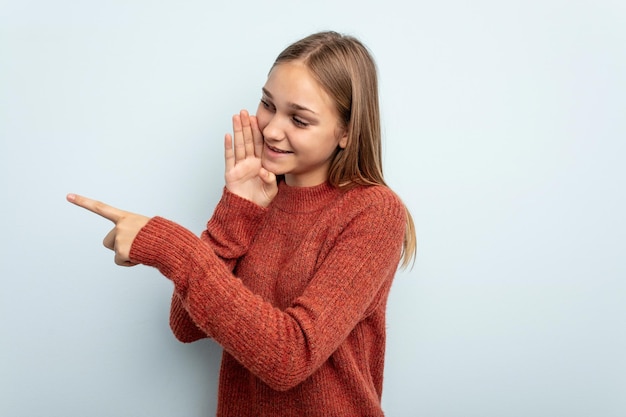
point(71, 197)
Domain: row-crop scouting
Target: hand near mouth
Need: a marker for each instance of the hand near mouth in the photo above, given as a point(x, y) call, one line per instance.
point(244, 174)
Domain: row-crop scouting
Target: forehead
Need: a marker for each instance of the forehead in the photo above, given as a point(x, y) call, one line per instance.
point(292, 82)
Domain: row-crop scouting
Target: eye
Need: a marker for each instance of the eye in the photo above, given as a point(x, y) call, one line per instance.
point(299, 122)
point(267, 105)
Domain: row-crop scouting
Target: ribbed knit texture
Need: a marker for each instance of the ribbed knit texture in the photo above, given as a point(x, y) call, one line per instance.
point(295, 293)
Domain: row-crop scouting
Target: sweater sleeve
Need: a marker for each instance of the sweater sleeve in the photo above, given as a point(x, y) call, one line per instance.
point(229, 233)
point(232, 227)
point(281, 347)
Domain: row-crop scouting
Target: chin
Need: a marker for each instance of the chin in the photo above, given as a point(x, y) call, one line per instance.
point(272, 168)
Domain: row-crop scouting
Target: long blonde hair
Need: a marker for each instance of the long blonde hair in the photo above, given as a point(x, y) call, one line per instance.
point(344, 67)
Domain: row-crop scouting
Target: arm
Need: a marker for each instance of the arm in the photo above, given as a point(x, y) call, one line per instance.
point(282, 347)
point(228, 234)
point(251, 186)
point(232, 227)
point(249, 189)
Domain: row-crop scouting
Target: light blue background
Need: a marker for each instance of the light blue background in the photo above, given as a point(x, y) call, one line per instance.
point(504, 128)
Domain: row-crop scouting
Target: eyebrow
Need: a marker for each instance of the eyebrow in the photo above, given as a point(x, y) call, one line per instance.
point(294, 106)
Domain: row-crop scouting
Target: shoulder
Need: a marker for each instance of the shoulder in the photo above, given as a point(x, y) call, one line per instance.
point(378, 203)
point(374, 197)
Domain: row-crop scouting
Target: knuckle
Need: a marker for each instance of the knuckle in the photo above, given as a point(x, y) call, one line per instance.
point(98, 206)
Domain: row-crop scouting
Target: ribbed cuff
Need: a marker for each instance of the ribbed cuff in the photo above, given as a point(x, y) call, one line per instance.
point(165, 245)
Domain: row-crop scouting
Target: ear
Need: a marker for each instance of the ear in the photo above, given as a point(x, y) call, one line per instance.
point(343, 141)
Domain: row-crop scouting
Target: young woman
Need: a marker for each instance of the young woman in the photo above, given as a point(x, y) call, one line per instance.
point(292, 274)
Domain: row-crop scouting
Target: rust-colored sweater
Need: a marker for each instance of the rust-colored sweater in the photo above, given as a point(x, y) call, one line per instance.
point(295, 293)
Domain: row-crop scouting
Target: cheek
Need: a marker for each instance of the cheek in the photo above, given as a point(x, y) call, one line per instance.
point(262, 117)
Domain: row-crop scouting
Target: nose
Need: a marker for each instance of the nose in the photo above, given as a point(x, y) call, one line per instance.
point(273, 130)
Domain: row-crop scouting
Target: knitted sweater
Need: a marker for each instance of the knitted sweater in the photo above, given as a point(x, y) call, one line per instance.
point(295, 293)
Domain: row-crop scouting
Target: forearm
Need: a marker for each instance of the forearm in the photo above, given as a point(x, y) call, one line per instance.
point(182, 325)
point(232, 227)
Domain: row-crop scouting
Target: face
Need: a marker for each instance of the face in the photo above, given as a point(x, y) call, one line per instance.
point(300, 126)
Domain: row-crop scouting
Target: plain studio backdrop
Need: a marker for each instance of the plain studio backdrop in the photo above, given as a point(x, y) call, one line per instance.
point(504, 133)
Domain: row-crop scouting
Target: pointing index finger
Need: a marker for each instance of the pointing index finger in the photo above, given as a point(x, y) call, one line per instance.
point(97, 207)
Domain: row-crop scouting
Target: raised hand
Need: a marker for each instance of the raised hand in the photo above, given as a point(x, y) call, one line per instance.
point(121, 237)
point(244, 174)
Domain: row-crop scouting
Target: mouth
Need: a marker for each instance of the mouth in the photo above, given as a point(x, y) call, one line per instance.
point(273, 149)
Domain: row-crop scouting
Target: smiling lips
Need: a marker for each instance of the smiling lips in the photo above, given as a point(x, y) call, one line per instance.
point(271, 148)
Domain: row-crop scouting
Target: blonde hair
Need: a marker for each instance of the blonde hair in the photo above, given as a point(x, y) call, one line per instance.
point(344, 67)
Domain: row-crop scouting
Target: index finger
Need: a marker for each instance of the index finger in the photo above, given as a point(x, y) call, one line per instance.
point(97, 207)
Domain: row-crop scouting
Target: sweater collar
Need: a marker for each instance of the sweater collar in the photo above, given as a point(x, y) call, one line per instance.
point(304, 199)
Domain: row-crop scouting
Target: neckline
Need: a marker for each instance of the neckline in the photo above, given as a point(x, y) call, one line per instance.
point(304, 199)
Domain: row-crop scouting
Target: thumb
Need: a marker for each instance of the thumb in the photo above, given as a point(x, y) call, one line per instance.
point(269, 178)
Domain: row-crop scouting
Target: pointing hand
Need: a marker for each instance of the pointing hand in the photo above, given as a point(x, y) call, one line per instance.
point(121, 237)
